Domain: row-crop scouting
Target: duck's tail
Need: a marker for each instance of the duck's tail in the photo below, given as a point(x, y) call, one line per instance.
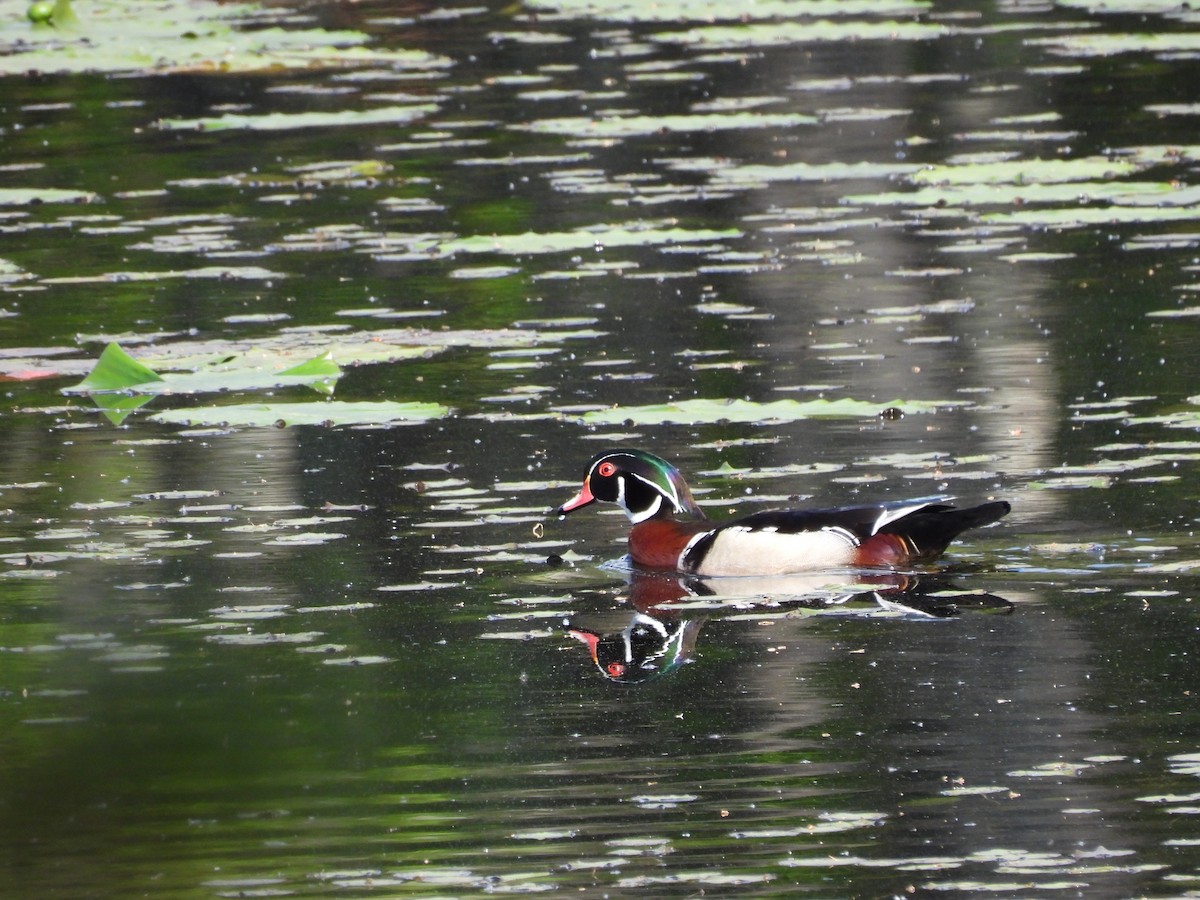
point(928, 531)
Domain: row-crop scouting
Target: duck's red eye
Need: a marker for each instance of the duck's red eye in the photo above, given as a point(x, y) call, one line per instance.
point(606, 470)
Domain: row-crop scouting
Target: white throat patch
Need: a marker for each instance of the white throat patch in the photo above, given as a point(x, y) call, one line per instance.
point(648, 513)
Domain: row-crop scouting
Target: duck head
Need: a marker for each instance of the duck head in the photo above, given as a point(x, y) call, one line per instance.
point(640, 483)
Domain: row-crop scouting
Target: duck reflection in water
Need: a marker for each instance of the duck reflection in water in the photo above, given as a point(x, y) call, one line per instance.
point(662, 633)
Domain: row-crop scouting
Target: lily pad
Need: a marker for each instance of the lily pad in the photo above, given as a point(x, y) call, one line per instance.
point(11, 196)
point(703, 411)
point(120, 384)
point(117, 371)
point(1093, 44)
point(325, 413)
point(1026, 171)
point(672, 11)
point(631, 126)
point(425, 247)
point(169, 36)
point(777, 34)
point(285, 121)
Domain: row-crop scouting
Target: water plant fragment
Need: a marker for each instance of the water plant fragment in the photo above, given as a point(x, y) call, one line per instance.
point(119, 384)
point(324, 413)
point(171, 36)
point(711, 411)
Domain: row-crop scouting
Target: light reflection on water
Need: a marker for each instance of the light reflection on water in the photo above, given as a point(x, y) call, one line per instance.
point(268, 661)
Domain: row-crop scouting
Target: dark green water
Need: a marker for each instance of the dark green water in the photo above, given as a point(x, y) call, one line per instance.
point(333, 660)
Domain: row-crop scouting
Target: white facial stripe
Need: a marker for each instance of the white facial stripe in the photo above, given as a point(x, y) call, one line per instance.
point(648, 513)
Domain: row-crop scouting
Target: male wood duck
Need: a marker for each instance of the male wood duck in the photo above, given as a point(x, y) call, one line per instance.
point(670, 532)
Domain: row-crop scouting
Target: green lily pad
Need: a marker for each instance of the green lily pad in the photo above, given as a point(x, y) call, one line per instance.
point(725, 174)
point(224, 273)
point(118, 372)
point(111, 382)
point(279, 351)
point(326, 413)
point(1094, 44)
point(26, 196)
point(992, 194)
point(120, 384)
point(1026, 171)
point(777, 34)
point(168, 36)
point(672, 11)
point(631, 234)
point(285, 121)
point(696, 412)
point(1083, 217)
point(631, 126)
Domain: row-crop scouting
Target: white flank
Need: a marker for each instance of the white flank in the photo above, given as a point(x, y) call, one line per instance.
point(744, 551)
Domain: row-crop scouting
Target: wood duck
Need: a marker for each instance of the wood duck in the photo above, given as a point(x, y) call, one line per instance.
point(670, 532)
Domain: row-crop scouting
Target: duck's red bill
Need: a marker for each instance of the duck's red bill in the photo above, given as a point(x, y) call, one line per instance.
point(588, 637)
point(580, 500)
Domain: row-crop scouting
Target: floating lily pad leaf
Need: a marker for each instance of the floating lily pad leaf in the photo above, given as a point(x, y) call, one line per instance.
point(320, 367)
point(695, 412)
point(736, 11)
point(1181, 313)
point(631, 126)
point(154, 37)
point(1082, 217)
point(1126, 7)
point(1109, 466)
point(286, 121)
point(1026, 172)
point(26, 196)
point(1073, 482)
point(990, 194)
point(116, 370)
point(282, 349)
point(249, 273)
point(777, 34)
point(326, 413)
point(340, 171)
point(255, 318)
point(1094, 44)
point(788, 471)
point(632, 234)
point(1181, 419)
point(723, 173)
point(352, 661)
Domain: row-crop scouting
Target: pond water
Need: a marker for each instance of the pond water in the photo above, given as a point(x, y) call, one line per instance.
point(314, 632)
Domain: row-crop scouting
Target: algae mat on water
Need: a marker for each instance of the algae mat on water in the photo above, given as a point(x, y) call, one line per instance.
point(166, 37)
